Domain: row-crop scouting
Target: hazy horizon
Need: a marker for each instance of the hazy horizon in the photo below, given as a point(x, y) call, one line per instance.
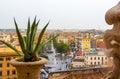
point(63, 14)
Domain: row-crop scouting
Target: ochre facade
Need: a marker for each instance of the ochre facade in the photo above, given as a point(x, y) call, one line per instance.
point(7, 71)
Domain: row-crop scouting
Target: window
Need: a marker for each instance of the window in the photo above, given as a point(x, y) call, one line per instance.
point(14, 72)
point(0, 64)
point(0, 73)
point(91, 63)
point(1, 59)
point(94, 58)
point(106, 58)
point(98, 58)
point(98, 63)
point(91, 58)
point(14, 57)
point(102, 60)
point(94, 63)
point(8, 65)
point(14, 78)
point(8, 72)
point(7, 58)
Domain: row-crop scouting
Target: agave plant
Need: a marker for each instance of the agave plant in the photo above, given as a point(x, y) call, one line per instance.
point(29, 50)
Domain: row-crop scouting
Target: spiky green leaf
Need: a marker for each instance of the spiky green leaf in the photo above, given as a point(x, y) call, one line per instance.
point(43, 43)
point(40, 37)
point(25, 40)
point(28, 35)
point(34, 32)
point(21, 41)
point(33, 28)
point(12, 47)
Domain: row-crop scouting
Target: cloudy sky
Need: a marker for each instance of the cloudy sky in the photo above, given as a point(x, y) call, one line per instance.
point(63, 14)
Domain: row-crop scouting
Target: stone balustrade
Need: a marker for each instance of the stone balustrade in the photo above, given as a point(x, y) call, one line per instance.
point(90, 73)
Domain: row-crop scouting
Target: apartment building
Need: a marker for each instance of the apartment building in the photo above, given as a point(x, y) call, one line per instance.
point(5, 37)
point(7, 71)
point(97, 58)
point(85, 43)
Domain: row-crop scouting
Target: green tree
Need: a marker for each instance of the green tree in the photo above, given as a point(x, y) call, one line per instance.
point(71, 67)
point(62, 47)
point(72, 44)
point(55, 43)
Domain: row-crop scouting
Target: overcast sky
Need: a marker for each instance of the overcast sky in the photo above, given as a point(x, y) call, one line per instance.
point(63, 14)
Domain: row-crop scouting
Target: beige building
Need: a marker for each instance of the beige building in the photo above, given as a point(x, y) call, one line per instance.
point(5, 37)
point(62, 38)
point(98, 59)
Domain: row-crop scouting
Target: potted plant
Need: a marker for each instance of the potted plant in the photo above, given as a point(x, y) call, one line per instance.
point(29, 65)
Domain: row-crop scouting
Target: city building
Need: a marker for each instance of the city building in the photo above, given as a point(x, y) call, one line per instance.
point(100, 43)
point(97, 58)
point(62, 38)
point(5, 37)
point(78, 42)
point(83, 56)
point(78, 64)
point(85, 44)
point(7, 71)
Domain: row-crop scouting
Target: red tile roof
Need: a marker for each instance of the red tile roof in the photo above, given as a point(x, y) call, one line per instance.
point(79, 53)
point(101, 45)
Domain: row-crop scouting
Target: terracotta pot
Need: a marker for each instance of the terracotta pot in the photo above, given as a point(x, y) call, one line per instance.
point(28, 70)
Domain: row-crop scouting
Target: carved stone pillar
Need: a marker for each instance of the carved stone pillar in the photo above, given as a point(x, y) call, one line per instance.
point(112, 40)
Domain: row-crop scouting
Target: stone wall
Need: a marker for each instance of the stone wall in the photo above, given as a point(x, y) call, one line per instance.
point(91, 73)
